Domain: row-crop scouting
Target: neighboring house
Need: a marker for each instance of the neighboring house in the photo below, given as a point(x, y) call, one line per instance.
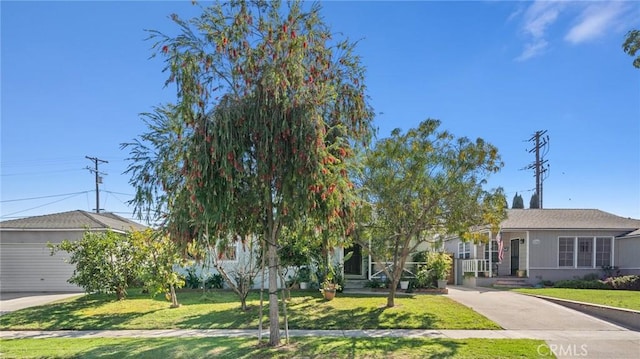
point(552, 244)
point(26, 264)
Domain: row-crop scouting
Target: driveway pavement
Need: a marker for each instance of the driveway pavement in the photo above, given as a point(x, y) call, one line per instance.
point(10, 302)
point(568, 333)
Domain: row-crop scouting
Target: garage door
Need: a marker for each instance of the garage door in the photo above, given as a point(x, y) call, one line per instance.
point(31, 268)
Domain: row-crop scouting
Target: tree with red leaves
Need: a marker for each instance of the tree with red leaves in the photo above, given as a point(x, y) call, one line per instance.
point(270, 109)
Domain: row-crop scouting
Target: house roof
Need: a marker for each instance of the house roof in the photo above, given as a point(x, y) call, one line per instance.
point(567, 219)
point(72, 220)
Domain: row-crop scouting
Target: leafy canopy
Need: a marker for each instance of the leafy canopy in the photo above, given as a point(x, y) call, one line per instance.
point(425, 184)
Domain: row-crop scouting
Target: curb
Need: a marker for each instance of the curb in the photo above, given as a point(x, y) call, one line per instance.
point(627, 318)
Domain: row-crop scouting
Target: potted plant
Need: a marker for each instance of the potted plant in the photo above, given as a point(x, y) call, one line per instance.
point(329, 288)
point(439, 263)
point(304, 277)
point(404, 283)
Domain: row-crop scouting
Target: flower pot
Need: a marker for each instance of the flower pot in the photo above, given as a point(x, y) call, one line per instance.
point(404, 284)
point(521, 273)
point(304, 285)
point(442, 283)
point(329, 294)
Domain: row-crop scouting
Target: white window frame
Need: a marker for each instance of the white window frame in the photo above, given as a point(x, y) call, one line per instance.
point(573, 255)
point(594, 250)
point(464, 250)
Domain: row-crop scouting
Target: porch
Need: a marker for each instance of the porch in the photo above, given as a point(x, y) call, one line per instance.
point(485, 273)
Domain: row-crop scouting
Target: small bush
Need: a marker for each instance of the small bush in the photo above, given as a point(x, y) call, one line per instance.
point(192, 279)
point(610, 271)
point(581, 284)
point(215, 281)
point(627, 282)
point(591, 276)
point(374, 283)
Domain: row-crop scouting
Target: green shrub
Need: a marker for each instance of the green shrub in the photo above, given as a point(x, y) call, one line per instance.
point(581, 284)
point(610, 271)
point(192, 279)
point(591, 276)
point(627, 282)
point(215, 281)
point(374, 283)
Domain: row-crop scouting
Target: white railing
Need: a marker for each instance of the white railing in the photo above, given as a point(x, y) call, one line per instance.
point(475, 265)
point(376, 270)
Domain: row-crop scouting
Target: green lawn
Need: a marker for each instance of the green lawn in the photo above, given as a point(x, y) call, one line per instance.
point(615, 298)
point(220, 310)
point(306, 347)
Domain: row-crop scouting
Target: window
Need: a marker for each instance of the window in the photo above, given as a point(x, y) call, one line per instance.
point(565, 251)
point(493, 251)
point(603, 251)
point(464, 250)
point(585, 251)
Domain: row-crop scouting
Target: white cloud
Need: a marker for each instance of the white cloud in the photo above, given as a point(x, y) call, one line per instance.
point(532, 49)
point(537, 19)
point(595, 20)
point(591, 19)
point(540, 15)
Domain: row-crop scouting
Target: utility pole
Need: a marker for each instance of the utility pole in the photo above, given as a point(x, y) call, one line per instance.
point(540, 167)
point(99, 175)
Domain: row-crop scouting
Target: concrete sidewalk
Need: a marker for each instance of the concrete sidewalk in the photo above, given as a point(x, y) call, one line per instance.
point(356, 333)
point(573, 333)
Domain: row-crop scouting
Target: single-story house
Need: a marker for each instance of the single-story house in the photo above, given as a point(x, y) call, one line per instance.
point(551, 244)
point(26, 264)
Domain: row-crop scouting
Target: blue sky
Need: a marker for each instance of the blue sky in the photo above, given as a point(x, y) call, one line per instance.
point(76, 75)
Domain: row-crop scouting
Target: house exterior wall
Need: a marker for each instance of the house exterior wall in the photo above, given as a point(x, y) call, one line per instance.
point(26, 264)
point(627, 255)
point(544, 247)
point(245, 260)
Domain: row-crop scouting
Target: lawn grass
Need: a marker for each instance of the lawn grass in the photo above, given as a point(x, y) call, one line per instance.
point(306, 347)
point(614, 298)
point(221, 310)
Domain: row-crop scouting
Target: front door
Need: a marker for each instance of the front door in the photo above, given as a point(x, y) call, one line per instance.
point(354, 265)
point(515, 256)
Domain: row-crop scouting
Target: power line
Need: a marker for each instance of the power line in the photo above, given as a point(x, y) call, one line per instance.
point(38, 173)
point(42, 205)
point(42, 197)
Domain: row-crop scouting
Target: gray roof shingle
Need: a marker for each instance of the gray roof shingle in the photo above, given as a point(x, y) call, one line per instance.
point(73, 220)
point(567, 219)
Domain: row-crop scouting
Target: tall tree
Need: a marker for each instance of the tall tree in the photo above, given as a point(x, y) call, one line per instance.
point(534, 202)
point(631, 45)
point(421, 184)
point(269, 110)
point(518, 202)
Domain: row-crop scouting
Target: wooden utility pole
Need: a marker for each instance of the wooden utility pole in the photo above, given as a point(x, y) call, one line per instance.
point(540, 167)
point(99, 175)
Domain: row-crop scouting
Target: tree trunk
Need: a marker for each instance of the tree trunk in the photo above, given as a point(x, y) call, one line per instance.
point(274, 322)
point(392, 293)
point(120, 293)
point(174, 298)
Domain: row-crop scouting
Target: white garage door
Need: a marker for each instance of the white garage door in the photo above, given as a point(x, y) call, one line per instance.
point(31, 268)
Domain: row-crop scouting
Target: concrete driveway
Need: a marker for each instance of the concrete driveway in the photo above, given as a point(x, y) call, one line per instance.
point(513, 311)
point(10, 302)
